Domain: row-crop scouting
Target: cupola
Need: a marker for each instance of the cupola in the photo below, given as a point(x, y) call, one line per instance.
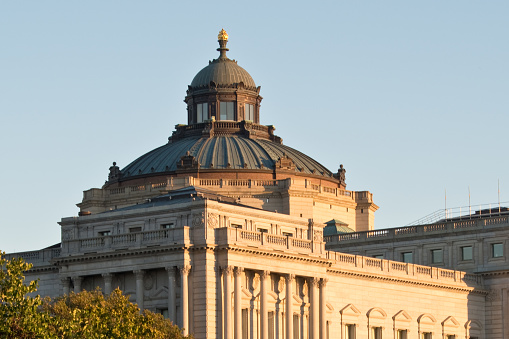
point(223, 91)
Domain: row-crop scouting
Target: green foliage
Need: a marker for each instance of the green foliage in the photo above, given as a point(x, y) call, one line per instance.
point(77, 315)
point(19, 315)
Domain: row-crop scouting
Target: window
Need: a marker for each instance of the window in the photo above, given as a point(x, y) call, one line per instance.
point(263, 230)
point(249, 114)
point(407, 257)
point(467, 253)
point(378, 256)
point(236, 226)
point(288, 234)
point(402, 334)
point(426, 335)
point(226, 110)
point(497, 250)
point(104, 233)
point(245, 322)
point(163, 312)
point(168, 225)
point(202, 112)
point(437, 256)
point(350, 331)
point(135, 229)
point(271, 325)
point(451, 336)
point(296, 325)
point(376, 332)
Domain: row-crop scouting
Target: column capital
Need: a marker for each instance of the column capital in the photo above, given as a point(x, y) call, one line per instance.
point(264, 274)
point(313, 281)
point(184, 270)
point(107, 277)
point(227, 270)
point(289, 278)
point(323, 282)
point(238, 271)
point(139, 274)
point(77, 279)
point(64, 280)
point(170, 270)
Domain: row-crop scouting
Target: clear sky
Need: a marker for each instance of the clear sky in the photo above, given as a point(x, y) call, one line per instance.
point(411, 96)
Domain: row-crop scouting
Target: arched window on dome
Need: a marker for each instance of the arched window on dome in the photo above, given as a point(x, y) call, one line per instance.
point(227, 110)
point(202, 112)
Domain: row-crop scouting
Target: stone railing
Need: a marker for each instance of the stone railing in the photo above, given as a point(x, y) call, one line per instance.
point(227, 235)
point(36, 257)
point(344, 261)
point(412, 231)
point(175, 236)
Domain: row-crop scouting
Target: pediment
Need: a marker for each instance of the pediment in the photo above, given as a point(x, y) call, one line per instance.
point(426, 319)
point(351, 310)
point(376, 313)
point(402, 316)
point(451, 322)
point(473, 324)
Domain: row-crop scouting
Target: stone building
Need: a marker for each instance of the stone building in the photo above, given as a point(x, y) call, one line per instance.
point(222, 231)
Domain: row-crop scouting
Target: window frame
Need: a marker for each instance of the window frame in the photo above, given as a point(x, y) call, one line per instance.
point(432, 255)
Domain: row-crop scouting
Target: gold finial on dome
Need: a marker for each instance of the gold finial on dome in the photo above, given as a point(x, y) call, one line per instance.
point(222, 35)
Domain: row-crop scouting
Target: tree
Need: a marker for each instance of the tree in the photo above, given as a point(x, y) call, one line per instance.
point(19, 315)
point(91, 315)
point(77, 315)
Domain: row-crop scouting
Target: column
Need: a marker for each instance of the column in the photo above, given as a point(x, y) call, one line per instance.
point(172, 294)
point(264, 315)
point(227, 301)
point(237, 304)
point(107, 277)
point(77, 284)
point(315, 319)
point(289, 301)
point(323, 308)
point(139, 288)
point(65, 285)
point(184, 272)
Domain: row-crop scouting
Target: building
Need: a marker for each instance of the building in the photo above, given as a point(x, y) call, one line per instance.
point(222, 231)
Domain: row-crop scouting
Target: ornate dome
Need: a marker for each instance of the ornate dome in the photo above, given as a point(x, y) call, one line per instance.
point(229, 152)
point(222, 72)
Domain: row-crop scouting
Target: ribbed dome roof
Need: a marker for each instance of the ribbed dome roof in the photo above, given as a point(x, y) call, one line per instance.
point(222, 72)
point(239, 152)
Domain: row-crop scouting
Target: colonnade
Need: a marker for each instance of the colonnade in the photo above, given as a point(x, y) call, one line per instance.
point(140, 274)
point(317, 308)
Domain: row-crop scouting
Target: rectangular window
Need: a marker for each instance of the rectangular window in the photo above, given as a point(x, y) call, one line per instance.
point(249, 112)
point(135, 229)
point(451, 336)
point(226, 110)
point(202, 112)
point(271, 325)
point(376, 332)
point(245, 319)
point(437, 256)
point(350, 331)
point(236, 226)
point(402, 334)
point(168, 225)
point(296, 325)
point(497, 250)
point(288, 234)
point(427, 335)
point(407, 257)
point(104, 233)
point(467, 253)
point(263, 230)
point(378, 256)
point(163, 312)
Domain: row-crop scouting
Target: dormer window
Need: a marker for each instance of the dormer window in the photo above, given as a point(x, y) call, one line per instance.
point(227, 110)
point(249, 112)
point(202, 112)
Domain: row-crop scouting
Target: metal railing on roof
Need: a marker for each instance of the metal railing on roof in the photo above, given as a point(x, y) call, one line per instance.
point(464, 213)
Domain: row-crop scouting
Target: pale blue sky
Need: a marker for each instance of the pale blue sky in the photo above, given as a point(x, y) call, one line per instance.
point(411, 96)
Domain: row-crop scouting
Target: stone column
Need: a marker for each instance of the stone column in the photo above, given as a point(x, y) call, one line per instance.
point(172, 295)
point(65, 285)
point(323, 308)
point(139, 288)
point(264, 315)
point(184, 272)
point(237, 304)
point(289, 301)
point(315, 319)
point(227, 301)
point(107, 277)
point(77, 284)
